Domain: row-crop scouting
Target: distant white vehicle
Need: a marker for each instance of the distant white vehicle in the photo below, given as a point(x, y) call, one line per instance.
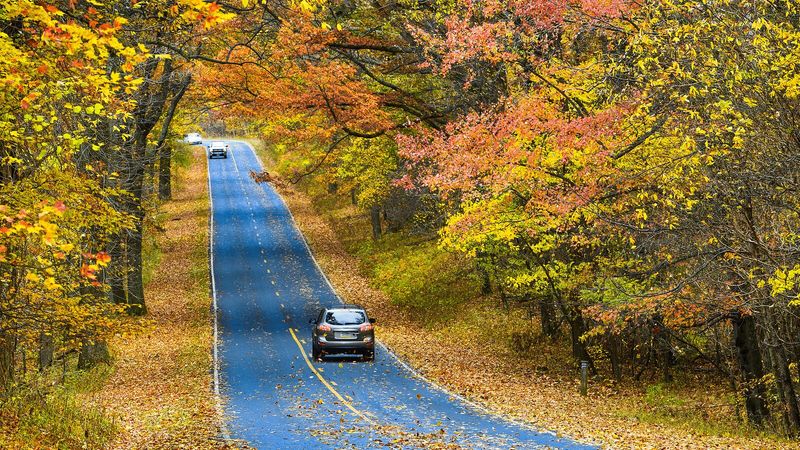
point(193, 138)
point(218, 149)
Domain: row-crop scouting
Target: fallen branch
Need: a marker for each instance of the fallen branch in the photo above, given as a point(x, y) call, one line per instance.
point(265, 177)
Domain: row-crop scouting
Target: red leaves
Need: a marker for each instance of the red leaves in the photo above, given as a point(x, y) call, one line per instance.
point(521, 147)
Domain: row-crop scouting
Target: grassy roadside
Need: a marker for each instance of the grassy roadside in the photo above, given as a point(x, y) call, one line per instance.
point(49, 413)
point(159, 394)
point(473, 348)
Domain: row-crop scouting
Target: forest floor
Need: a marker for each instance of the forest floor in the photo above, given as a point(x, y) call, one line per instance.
point(494, 356)
point(159, 393)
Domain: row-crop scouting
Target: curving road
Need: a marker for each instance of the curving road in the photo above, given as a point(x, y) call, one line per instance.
point(267, 286)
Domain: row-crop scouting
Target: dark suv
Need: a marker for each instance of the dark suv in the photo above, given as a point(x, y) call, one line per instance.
point(343, 329)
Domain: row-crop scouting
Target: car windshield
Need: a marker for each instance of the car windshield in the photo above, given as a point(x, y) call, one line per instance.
point(345, 317)
point(218, 144)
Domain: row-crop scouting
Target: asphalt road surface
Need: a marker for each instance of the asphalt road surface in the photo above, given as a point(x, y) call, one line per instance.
point(267, 286)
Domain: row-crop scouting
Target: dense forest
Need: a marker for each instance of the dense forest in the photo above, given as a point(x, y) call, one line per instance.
point(627, 170)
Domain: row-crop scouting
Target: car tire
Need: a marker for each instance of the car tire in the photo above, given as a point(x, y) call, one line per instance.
point(369, 355)
point(316, 355)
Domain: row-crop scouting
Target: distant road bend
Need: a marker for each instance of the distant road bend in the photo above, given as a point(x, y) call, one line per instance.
point(267, 286)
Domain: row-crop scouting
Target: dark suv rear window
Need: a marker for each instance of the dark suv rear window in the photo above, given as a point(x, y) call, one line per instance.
point(345, 317)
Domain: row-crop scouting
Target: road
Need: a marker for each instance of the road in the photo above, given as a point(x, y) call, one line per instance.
point(267, 286)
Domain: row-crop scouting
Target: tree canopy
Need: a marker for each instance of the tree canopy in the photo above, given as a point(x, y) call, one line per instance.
point(629, 168)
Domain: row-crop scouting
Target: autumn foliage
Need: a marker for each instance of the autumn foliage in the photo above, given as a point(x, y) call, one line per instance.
point(81, 92)
point(625, 170)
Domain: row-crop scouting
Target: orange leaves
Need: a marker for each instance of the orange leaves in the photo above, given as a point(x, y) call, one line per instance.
point(89, 271)
point(203, 13)
point(103, 259)
point(26, 102)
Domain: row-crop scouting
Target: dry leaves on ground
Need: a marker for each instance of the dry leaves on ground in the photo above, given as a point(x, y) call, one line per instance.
point(160, 394)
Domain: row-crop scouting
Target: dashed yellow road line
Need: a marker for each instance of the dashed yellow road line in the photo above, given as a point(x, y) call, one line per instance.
point(328, 384)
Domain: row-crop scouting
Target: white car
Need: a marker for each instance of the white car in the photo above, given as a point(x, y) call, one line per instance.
point(193, 138)
point(218, 149)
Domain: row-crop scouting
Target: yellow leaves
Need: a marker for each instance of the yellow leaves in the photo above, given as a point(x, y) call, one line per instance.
point(51, 285)
point(784, 282)
point(32, 277)
point(759, 23)
point(309, 6)
point(49, 232)
point(30, 12)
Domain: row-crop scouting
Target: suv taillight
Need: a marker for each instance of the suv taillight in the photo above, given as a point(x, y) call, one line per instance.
point(366, 327)
point(324, 328)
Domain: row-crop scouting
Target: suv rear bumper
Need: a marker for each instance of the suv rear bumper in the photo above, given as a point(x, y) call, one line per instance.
point(342, 346)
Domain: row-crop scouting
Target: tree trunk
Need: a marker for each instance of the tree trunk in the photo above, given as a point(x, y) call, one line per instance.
point(136, 303)
point(785, 391)
point(134, 248)
point(165, 172)
point(790, 396)
point(164, 149)
point(92, 354)
point(486, 283)
point(150, 101)
point(115, 272)
point(751, 367)
point(45, 351)
point(375, 217)
point(548, 318)
point(577, 329)
point(615, 354)
point(663, 345)
point(6, 359)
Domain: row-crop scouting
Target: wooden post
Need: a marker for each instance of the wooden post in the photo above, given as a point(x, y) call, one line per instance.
point(584, 376)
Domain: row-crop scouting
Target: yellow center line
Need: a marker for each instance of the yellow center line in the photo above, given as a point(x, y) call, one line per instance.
point(326, 383)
